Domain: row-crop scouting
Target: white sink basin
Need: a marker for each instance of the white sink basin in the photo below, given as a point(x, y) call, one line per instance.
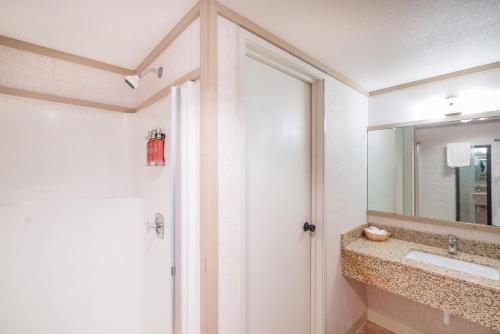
point(463, 266)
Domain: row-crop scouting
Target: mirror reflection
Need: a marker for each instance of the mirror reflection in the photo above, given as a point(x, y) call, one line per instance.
point(448, 171)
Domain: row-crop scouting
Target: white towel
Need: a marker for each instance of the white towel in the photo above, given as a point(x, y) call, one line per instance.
point(458, 154)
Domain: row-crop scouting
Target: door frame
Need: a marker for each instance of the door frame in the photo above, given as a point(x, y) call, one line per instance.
point(258, 49)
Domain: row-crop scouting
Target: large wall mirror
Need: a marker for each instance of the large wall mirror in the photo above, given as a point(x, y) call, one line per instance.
point(447, 171)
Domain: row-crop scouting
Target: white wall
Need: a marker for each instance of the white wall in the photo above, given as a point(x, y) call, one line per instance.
point(71, 266)
point(477, 93)
point(180, 58)
point(71, 260)
point(58, 150)
point(42, 74)
point(345, 181)
point(345, 197)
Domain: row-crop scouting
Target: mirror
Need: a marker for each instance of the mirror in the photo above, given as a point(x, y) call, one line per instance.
point(448, 171)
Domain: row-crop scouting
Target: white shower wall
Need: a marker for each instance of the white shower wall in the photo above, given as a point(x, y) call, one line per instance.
point(75, 195)
point(71, 258)
point(71, 266)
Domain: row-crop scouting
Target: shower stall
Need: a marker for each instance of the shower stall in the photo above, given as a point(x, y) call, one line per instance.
point(92, 240)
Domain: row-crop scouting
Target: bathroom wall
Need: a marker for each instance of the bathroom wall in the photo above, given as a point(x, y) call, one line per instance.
point(42, 74)
point(345, 197)
point(418, 318)
point(180, 58)
point(437, 180)
point(69, 221)
point(75, 196)
point(59, 151)
point(345, 189)
point(477, 93)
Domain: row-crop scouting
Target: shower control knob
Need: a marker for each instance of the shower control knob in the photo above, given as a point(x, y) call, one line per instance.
point(309, 227)
point(158, 226)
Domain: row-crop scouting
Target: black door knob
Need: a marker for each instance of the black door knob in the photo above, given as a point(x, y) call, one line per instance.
point(309, 227)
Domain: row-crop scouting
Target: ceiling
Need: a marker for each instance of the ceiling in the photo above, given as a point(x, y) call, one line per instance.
point(375, 43)
point(118, 32)
point(382, 43)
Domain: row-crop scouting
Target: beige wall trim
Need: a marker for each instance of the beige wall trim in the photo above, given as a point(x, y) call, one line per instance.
point(390, 324)
point(449, 223)
point(209, 192)
point(62, 99)
point(193, 75)
point(192, 15)
point(494, 113)
point(441, 77)
point(271, 38)
point(41, 50)
point(358, 324)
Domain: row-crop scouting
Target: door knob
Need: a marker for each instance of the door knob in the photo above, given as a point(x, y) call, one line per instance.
point(309, 227)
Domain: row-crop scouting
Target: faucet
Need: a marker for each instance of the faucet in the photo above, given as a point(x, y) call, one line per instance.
point(452, 244)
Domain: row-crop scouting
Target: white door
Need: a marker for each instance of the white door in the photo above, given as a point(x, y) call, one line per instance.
point(277, 199)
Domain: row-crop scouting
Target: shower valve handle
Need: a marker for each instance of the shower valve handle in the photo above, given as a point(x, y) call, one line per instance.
point(158, 225)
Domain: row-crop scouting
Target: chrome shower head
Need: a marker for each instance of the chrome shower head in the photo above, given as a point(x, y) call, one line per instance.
point(133, 80)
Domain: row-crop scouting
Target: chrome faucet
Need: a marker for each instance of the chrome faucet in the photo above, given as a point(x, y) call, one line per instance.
point(452, 244)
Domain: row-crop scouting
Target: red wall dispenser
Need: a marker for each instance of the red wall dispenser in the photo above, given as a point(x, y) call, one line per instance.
point(155, 147)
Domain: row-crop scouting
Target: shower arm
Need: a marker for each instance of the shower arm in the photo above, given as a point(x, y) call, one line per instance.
point(158, 71)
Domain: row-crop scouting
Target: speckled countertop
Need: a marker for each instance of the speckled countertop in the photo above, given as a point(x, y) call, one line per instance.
point(395, 250)
point(383, 264)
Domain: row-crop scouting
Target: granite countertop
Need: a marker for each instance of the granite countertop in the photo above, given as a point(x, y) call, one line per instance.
point(384, 264)
point(395, 250)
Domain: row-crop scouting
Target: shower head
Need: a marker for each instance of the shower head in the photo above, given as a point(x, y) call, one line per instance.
point(133, 80)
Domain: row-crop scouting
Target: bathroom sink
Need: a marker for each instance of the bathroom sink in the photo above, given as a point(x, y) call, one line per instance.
point(458, 265)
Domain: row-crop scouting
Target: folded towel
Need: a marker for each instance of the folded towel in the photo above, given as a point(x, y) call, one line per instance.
point(376, 230)
point(458, 154)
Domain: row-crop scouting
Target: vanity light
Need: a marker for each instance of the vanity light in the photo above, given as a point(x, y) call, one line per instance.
point(465, 120)
point(483, 118)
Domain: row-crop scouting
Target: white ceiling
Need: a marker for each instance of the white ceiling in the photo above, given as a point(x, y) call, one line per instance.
point(382, 43)
point(375, 43)
point(118, 32)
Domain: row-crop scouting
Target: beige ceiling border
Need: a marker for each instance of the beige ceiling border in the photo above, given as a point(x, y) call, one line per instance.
point(63, 99)
point(186, 20)
point(441, 77)
point(41, 50)
point(280, 43)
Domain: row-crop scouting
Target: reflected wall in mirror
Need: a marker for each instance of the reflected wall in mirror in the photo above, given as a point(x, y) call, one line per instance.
point(448, 171)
